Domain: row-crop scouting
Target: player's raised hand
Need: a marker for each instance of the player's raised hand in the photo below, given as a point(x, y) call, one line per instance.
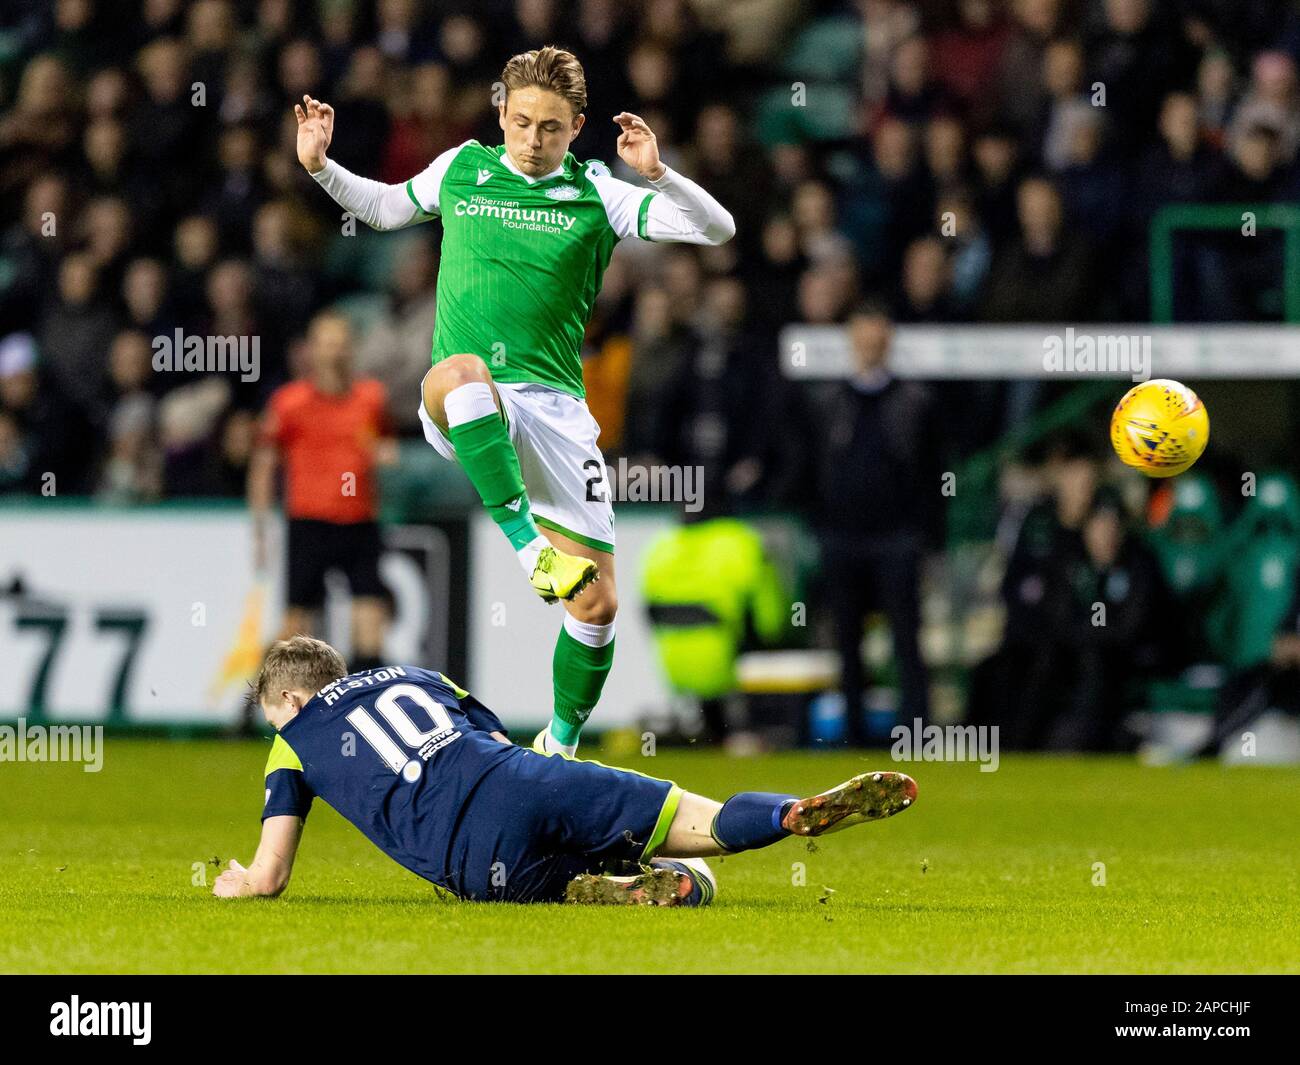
point(637, 146)
point(315, 131)
point(232, 883)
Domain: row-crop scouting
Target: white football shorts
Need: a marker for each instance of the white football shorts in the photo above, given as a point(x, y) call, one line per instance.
point(554, 435)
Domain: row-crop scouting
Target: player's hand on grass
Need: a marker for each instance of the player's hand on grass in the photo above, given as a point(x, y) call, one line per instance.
point(637, 146)
point(233, 883)
point(315, 131)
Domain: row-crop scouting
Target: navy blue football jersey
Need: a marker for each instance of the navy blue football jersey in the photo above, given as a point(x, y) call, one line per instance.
point(397, 752)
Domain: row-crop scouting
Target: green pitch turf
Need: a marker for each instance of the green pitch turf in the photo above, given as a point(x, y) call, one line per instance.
point(989, 872)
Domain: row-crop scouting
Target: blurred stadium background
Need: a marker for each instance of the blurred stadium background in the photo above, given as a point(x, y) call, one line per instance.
point(985, 173)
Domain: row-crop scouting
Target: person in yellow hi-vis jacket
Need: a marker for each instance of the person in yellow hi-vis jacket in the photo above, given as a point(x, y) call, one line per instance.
point(707, 586)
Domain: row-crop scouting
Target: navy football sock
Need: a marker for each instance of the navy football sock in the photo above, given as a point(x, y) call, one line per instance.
point(751, 819)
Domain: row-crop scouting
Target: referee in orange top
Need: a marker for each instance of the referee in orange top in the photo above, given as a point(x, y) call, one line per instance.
point(330, 430)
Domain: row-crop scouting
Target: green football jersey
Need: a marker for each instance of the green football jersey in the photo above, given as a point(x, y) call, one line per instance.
point(522, 261)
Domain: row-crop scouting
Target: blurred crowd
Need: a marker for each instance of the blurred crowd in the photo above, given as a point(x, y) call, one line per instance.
point(965, 160)
point(1185, 599)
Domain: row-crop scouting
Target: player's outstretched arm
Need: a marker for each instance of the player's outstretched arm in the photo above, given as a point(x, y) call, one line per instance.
point(272, 865)
point(683, 212)
point(378, 205)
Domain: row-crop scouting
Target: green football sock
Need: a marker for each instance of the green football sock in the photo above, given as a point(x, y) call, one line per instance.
point(579, 673)
point(489, 460)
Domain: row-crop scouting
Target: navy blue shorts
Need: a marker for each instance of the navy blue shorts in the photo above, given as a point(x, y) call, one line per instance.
point(533, 822)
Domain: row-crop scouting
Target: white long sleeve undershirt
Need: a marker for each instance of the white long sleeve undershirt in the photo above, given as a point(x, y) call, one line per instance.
point(378, 205)
point(682, 212)
point(685, 213)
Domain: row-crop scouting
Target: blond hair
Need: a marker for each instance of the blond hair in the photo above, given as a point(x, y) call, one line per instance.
point(550, 68)
point(300, 663)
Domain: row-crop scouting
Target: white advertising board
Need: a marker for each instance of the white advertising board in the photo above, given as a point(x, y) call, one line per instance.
point(146, 616)
point(155, 616)
point(512, 632)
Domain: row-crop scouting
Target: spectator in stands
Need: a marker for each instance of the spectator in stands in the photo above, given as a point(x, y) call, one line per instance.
point(1108, 605)
point(925, 292)
point(231, 313)
point(331, 432)
point(945, 154)
point(1255, 173)
point(194, 253)
point(772, 277)
point(1137, 54)
point(50, 444)
point(1046, 276)
point(233, 197)
point(970, 250)
point(15, 456)
point(145, 297)
point(132, 471)
point(395, 350)
point(1020, 89)
point(737, 172)
point(1012, 687)
point(29, 254)
point(967, 56)
point(720, 428)
point(1052, 132)
point(997, 164)
point(104, 231)
point(1093, 184)
point(244, 100)
point(914, 95)
point(1216, 95)
point(75, 336)
point(1273, 103)
point(607, 357)
point(190, 418)
point(813, 211)
point(661, 347)
point(38, 133)
point(1179, 167)
point(109, 171)
point(403, 131)
point(283, 275)
point(876, 511)
point(1183, 166)
point(899, 201)
point(423, 124)
point(166, 127)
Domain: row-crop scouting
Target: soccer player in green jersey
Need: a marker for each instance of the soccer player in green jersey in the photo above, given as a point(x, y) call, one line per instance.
point(527, 234)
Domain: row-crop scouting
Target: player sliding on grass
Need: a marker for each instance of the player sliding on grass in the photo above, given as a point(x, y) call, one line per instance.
point(527, 234)
point(426, 773)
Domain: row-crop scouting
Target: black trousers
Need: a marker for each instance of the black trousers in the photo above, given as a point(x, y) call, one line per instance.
point(865, 575)
point(1048, 696)
point(1249, 694)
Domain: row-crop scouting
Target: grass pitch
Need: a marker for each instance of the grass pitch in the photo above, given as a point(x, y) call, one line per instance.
point(989, 872)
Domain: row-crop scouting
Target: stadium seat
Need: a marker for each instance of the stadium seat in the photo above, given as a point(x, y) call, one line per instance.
point(827, 49)
point(1187, 537)
point(1263, 551)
